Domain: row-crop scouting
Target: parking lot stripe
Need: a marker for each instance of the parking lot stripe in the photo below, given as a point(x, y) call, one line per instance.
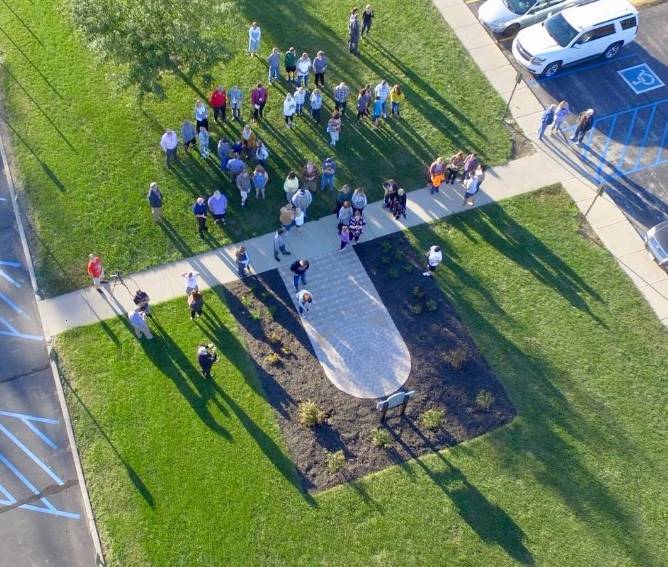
point(643, 143)
point(607, 146)
point(585, 68)
point(620, 161)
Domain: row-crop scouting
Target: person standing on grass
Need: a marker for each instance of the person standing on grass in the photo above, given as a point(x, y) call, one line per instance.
point(434, 258)
point(344, 215)
point(260, 180)
point(377, 112)
point(382, 90)
point(560, 114)
point(261, 153)
point(188, 134)
point(334, 128)
point(217, 204)
point(290, 62)
point(585, 122)
point(359, 199)
point(248, 140)
point(289, 109)
point(345, 193)
point(218, 102)
point(303, 69)
point(203, 140)
point(206, 358)
point(244, 186)
point(169, 142)
point(95, 270)
point(223, 149)
point(201, 115)
point(287, 216)
point(300, 100)
point(436, 174)
point(470, 165)
point(302, 199)
point(254, 37)
point(299, 269)
point(316, 105)
point(328, 173)
point(546, 119)
point(354, 32)
point(304, 301)
point(363, 101)
point(236, 96)
point(154, 199)
point(274, 64)
point(397, 97)
point(200, 211)
point(290, 185)
point(192, 282)
point(243, 261)
point(344, 237)
point(235, 166)
point(279, 244)
point(367, 19)
point(399, 205)
point(320, 64)
point(258, 100)
point(195, 304)
point(473, 185)
point(341, 94)
point(138, 321)
point(356, 226)
point(454, 167)
point(310, 175)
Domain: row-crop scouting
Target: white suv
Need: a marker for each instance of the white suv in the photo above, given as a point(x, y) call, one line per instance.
point(582, 32)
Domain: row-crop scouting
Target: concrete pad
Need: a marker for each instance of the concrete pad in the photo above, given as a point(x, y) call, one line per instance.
point(442, 4)
point(458, 16)
point(503, 79)
point(603, 213)
point(578, 189)
point(473, 36)
point(643, 267)
point(488, 57)
point(620, 238)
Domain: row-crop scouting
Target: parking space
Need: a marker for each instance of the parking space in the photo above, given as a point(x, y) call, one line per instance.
point(628, 147)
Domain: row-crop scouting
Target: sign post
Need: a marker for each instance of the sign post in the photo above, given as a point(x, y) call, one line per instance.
point(393, 401)
point(601, 190)
point(518, 80)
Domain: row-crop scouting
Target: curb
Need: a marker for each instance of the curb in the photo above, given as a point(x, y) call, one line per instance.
point(92, 526)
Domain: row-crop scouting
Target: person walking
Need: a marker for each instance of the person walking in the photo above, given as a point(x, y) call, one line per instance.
point(188, 134)
point(303, 70)
point(206, 358)
point(316, 105)
point(304, 302)
point(192, 281)
point(344, 215)
point(244, 185)
point(169, 142)
point(200, 211)
point(261, 153)
point(354, 32)
point(254, 37)
point(223, 149)
point(359, 199)
point(560, 114)
point(399, 205)
point(279, 244)
point(344, 237)
point(302, 199)
point(310, 176)
point(363, 101)
point(154, 199)
point(397, 98)
point(236, 96)
point(243, 261)
point(454, 167)
point(470, 165)
point(195, 304)
point(320, 64)
point(328, 173)
point(334, 128)
point(356, 226)
point(585, 122)
point(382, 91)
point(546, 119)
point(367, 19)
point(201, 115)
point(274, 64)
point(218, 101)
point(95, 270)
point(235, 166)
point(436, 174)
point(289, 109)
point(341, 94)
point(138, 322)
point(290, 185)
point(390, 188)
point(290, 63)
point(203, 142)
point(299, 269)
point(260, 179)
point(217, 204)
point(434, 258)
point(300, 100)
point(472, 185)
point(258, 100)
point(287, 216)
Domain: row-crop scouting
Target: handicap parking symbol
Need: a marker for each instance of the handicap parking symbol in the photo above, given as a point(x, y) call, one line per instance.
point(641, 78)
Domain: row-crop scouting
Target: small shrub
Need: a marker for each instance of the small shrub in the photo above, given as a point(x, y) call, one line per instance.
point(398, 254)
point(431, 419)
point(431, 305)
point(385, 260)
point(484, 400)
point(393, 273)
point(458, 357)
point(247, 300)
point(381, 438)
point(418, 292)
point(286, 350)
point(416, 308)
point(310, 414)
point(272, 359)
point(335, 461)
point(255, 313)
point(274, 337)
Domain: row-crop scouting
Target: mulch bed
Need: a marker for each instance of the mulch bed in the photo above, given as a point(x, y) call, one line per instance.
point(290, 372)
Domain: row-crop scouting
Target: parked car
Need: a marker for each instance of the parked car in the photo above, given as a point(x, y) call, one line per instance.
point(576, 34)
point(656, 240)
point(507, 17)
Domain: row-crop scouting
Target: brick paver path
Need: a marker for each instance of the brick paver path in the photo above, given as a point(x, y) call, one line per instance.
point(352, 333)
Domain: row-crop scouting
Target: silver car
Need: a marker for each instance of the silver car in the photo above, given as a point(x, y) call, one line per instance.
point(506, 17)
point(656, 240)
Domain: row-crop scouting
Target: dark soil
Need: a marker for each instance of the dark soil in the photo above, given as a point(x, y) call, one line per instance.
point(290, 373)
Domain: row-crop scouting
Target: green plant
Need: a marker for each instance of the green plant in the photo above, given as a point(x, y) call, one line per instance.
point(247, 300)
point(458, 356)
point(310, 414)
point(431, 305)
point(272, 359)
point(255, 313)
point(381, 438)
point(431, 419)
point(385, 260)
point(393, 273)
point(274, 337)
point(286, 350)
point(416, 308)
point(385, 245)
point(484, 400)
point(418, 292)
point(335, 461)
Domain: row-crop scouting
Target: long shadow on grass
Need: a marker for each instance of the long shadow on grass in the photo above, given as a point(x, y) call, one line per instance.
point(25, 25)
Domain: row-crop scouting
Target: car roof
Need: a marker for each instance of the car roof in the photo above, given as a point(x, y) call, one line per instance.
point(587, 15)
point(661, 232)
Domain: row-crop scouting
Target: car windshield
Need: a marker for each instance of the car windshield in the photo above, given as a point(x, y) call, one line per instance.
point(561, 31)
point(519, 6)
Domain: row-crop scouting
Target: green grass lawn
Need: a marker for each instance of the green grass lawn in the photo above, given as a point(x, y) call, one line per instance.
point(87, 152)
point(187, 472)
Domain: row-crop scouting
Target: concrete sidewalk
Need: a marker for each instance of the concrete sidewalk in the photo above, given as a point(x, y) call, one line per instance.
point(609, 223)
point(86, 306)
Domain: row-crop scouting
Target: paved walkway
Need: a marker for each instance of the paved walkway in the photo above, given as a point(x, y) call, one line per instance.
point(359, 347)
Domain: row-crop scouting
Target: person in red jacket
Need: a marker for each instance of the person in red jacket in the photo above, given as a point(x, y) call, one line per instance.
point(218, 102)
point(96, 271)
point(258, 100)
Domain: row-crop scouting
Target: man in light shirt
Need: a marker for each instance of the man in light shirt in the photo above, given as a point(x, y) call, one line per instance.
point(138, 321)
point(434, 258)
point(169, 143)
point(304, 301)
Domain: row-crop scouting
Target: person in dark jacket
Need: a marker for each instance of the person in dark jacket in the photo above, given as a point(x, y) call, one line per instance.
point(154, 198)
point(196, 304)
point(399, 204)
point(200, 211)
point(141, 300)
point(207, 357)
point(299, 269)
point(345, 193)
point(367, 19)
point(585, 122)
point(390, 188)
point(354, 32)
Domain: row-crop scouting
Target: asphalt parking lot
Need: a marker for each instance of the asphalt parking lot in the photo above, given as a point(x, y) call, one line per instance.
point(627, 150)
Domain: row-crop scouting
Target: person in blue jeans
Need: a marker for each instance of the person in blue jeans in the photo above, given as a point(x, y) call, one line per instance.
point(299, 269)
point(546, 119)
point(328, 173)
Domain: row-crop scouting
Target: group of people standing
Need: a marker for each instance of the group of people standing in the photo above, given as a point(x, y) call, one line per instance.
point(556, 114)
point(465, 167)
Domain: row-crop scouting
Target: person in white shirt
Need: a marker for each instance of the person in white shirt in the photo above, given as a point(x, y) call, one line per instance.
point(434, 258)
point(169, 143)
point(289, 109)
point(191, 281)
point(303, 70)
point(382, 90)
point(304, 301)
point(138, 321)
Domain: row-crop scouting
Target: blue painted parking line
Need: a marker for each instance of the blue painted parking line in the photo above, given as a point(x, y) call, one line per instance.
point(607, 146)
point(627, 139)
point(645, 137)
point(28, 420)
point(662, 145)
point(641, 78)
point(582, 68)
